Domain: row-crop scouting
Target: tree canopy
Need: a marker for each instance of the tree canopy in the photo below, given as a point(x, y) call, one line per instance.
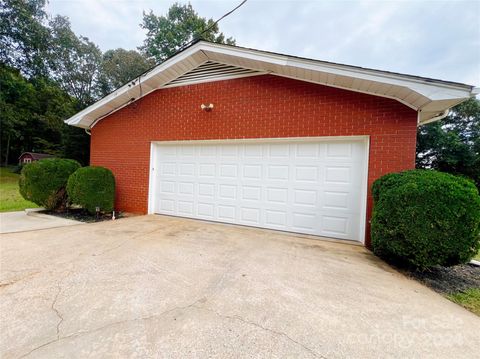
point(120, 66)
point(32, 114)
point(453, 144)
point(167, 34)
point(24, 38)
point(75, 62)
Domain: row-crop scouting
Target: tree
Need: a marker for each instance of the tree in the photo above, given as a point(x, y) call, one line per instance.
point(14, 107)
point(120, 66)
point(168, 34)
point(453, 144)
point(75, 62)
point(24, 36)
point(32, 115)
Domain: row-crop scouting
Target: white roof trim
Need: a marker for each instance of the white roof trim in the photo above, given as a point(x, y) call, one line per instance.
point(430, 97)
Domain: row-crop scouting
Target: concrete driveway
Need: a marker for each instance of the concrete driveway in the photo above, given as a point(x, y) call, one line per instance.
point(163, 287)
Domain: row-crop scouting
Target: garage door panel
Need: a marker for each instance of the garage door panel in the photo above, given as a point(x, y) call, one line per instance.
point(336, 200)
point(186, 169)
point(186, 208)
point(253, 151)
point(337, 174)
point(277, 172)
point(228, 171)
point(305, 197)
point(306, 173)
point(250, 216)
point(168, 169)
point(338, 150)
point(310, 186)
point(227, 213)
point(307, 151)
point(276, 219)
point(305, 222)
point(252, 172)
point(251, 193)
point(335, 225)
point(276, 195)
point(186, 188)
point(207, 151)
point(206, 210)
point(206, 191)
point(207, 170)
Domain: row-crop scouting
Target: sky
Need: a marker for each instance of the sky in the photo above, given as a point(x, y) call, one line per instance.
point(437, 39)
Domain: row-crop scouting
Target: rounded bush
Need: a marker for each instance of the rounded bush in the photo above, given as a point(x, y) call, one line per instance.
point(424, 218)
point(92, 187)
point(43, 182)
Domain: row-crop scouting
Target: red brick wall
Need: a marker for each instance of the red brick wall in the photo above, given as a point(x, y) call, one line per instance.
point(253, 107)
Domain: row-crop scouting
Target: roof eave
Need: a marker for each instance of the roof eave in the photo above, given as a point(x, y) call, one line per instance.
point(422, 94)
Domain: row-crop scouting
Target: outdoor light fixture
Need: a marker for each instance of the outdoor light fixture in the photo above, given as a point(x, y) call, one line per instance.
point(207, 108)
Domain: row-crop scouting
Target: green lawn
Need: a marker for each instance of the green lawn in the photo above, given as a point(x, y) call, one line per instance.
point(10, 198)
point(469, 299)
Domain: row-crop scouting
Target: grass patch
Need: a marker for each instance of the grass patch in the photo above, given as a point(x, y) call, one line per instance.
point(470, 299)
point(460, 283)
point(10, 198)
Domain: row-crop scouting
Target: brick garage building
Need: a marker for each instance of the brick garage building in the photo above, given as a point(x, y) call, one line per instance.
point(248, 137)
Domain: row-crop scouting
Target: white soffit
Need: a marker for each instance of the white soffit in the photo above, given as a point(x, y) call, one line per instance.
point(205, 62)
point(212, 71)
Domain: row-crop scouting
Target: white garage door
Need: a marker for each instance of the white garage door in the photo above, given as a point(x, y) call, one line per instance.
point(307, 186)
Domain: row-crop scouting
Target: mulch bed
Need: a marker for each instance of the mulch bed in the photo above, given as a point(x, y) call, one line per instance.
point(449, 280)
point(79, 214)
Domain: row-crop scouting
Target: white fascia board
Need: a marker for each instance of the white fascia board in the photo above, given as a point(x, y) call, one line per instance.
point(431, 89)
point(128, 87)
point(337, 69)
point(425, 88)
point(245, 53)
point(344, 70)
point(428, 117)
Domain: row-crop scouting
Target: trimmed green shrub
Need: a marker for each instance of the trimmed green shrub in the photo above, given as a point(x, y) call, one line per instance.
point(424, 218)
point(43, 182)
point(92, 187)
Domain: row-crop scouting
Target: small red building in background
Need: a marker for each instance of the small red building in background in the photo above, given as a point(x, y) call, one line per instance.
point(27, 157)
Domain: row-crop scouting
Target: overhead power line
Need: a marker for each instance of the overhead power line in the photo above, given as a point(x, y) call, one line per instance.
point(199, 36)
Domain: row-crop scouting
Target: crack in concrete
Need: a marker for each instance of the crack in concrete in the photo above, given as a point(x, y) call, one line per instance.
point(37, 348)
point(236, 317)
point(156, 316)
point(81, 333)
point(57, 312)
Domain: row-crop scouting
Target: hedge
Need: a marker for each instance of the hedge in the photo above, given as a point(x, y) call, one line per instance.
point(92, 187)
point(43, 182)
point(424, 218)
